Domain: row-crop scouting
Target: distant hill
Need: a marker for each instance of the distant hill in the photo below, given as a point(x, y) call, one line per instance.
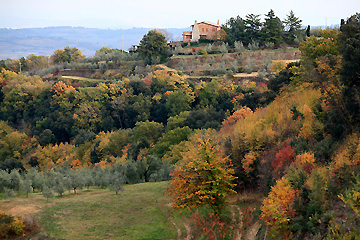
point(16, 43)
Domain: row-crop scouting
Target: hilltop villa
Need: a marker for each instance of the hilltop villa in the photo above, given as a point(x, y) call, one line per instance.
point(202, 30)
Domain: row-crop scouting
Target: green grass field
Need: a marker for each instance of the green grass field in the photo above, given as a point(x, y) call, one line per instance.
point(141, 211)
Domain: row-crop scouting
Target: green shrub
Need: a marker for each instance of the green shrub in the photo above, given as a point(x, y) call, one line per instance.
point(224, 48)
point(250, 66)
point(239, 46)
point(209, 48)
point(254, 45)
point(9, 193)
point(269, 45)
point(203, 52)
point(206, 41)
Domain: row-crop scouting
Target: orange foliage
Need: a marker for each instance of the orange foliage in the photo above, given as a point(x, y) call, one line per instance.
point(285, 155)
point(202, 177)
point(147, 81)
point(101, 164)
point(356, 158)
point(56, 154)
point(75, 164)
point(236, 116)
point(277, 208)
point(248, 161)
point(306, 161)
point(60, 87)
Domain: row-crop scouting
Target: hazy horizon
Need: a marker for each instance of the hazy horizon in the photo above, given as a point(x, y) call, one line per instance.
point(111, 14)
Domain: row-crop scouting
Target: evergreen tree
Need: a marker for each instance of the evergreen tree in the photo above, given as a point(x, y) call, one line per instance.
point(252, 28)
point(292, 27)
point(308, 31)
point(350, 50)
point(273, 29)
point(350, 73)
point(235, 30)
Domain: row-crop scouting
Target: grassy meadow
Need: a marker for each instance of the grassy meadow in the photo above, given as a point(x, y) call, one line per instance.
point(141, 211)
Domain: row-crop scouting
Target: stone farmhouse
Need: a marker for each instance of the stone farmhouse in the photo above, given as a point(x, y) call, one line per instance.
point(202, 30)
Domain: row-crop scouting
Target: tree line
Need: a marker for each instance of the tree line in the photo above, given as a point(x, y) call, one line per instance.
point(252, 30)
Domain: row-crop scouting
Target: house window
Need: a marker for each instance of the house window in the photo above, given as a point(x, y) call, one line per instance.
point(213, 29)
point(207, 30)
point(203, 29)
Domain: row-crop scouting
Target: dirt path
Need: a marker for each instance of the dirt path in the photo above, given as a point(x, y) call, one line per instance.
point(167, 68)
point(178, 230)
point(252, 232)
point(188, 231)
point(236, 218)
point(20, 206)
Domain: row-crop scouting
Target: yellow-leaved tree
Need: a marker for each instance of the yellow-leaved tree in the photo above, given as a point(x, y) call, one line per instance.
point(277, 209)
point(203, 176)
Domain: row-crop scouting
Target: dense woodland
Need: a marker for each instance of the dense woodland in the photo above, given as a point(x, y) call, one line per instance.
point(291, 133)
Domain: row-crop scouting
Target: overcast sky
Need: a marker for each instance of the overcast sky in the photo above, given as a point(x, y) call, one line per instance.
point(120, 14)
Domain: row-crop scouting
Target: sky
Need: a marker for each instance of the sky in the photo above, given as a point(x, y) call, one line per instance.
point(121, 14)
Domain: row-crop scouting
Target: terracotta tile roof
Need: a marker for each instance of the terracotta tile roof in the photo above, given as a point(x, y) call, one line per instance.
point(209, 23)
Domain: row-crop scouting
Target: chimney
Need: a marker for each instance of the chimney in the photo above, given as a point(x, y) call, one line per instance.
point(218, 23)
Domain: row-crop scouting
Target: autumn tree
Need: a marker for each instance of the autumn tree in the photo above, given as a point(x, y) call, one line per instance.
point(327, 44)
point(34, 62)
point(282, 158)
point(68, 54)
point(277, 209)
point(152, 46)
point(203, 176)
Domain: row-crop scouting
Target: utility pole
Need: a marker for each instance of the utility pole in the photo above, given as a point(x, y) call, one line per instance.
point(122, 43)
point(20, 66)
point(325, 22)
